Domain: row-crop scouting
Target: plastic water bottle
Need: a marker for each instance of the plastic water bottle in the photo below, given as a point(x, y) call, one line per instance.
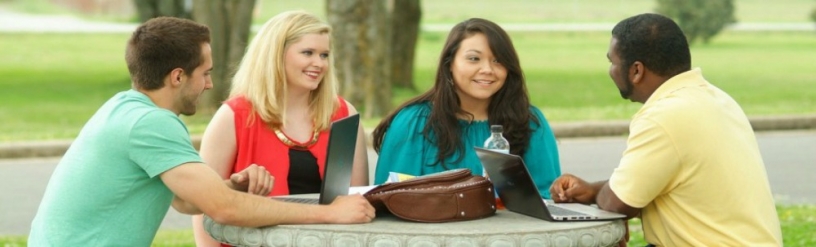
point(496, 142)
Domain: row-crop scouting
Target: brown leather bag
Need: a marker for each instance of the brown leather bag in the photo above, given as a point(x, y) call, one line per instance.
point(453, 195)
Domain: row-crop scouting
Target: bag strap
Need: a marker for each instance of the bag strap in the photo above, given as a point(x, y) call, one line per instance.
point(430, 180)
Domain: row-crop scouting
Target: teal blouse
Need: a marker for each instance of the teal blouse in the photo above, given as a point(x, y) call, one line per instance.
point(405, 149)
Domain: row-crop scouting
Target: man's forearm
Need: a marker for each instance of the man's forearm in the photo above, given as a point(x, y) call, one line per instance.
point(596, 189)
point(608, 200)
point(229, 184)
point(254, 211)
point(200, 190)
point(184, 207)
point(187, 208)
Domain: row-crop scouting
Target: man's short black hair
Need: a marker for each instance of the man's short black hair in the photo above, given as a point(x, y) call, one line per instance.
point(654, 40)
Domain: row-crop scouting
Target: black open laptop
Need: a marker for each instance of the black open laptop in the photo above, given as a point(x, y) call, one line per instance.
point(519, 193)
point(339, 162)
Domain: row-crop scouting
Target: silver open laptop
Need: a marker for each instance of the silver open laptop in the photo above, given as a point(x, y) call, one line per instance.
point(339, 162)
point(519, 194)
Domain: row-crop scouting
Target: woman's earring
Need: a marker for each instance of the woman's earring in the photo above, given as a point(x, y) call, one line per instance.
point(450, 82)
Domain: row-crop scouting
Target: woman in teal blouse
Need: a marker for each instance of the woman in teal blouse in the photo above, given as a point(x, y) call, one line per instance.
point(479, 83)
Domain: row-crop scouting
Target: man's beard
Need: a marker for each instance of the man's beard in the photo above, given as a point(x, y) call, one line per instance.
point(630, 87)
point(627, 92)
point(189, 107)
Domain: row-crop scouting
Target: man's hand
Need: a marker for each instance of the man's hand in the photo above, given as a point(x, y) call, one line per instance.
point(351, 209)
point(254, 179)
point(569, 188)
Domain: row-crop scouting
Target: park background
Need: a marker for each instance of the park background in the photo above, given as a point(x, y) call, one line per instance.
point(53, 82)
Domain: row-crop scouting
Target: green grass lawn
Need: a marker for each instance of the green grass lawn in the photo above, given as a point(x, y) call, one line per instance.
point(53, 83)
point(798, 225)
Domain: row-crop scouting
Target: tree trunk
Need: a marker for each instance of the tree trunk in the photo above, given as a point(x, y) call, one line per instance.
point(229, 23)
point(145, 9)
point(172, 8)
point(148, 9)
point(361, 53)
point(405, 23)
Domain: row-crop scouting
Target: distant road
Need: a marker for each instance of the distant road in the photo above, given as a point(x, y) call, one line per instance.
point(19, 22)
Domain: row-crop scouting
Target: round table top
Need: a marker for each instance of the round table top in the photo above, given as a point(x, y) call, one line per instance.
point(503, 229)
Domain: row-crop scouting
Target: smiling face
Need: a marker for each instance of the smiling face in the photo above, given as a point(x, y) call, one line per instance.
point(195, 84)
point(477, 74)
point(306, 61)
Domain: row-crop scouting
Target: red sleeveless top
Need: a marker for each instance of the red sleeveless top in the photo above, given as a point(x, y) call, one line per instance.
point(256, 143)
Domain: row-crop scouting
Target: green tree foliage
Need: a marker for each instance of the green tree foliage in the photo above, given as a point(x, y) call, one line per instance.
point(699, 19)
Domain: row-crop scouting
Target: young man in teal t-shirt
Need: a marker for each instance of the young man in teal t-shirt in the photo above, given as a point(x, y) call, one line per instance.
point(134, 158)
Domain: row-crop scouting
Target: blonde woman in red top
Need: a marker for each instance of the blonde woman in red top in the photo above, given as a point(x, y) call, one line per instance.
point(281, 105)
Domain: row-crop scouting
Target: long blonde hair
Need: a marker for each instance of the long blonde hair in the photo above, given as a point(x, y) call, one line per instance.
point(261, 77)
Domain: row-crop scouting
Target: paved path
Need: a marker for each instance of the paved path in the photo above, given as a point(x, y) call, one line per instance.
point(789, 157)
point(19, 22)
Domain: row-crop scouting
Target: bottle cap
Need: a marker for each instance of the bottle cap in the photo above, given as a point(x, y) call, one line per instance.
point(496, 128)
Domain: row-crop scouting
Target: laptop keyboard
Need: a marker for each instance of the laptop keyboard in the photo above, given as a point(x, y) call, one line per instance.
point(300, 200)
point(554, 210)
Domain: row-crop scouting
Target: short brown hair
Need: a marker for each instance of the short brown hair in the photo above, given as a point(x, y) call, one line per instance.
point(162, 44)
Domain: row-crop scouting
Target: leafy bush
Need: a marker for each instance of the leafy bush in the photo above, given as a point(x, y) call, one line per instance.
point(699, 19)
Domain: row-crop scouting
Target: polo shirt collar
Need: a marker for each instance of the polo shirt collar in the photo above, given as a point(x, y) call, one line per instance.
point(693, 77)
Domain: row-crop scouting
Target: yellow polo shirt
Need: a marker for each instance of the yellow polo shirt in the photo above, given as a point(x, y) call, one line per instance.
point(692, 163)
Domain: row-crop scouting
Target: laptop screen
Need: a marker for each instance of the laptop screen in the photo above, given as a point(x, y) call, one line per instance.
point(340, 158)
point(513, 183)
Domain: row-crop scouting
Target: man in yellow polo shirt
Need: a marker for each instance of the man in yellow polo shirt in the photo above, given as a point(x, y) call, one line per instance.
point(692, 168)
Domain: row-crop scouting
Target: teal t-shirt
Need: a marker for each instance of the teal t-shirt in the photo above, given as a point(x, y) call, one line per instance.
point(106, 190)
point(405, 149)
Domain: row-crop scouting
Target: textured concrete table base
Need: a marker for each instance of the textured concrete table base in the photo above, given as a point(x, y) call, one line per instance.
point(505, 229)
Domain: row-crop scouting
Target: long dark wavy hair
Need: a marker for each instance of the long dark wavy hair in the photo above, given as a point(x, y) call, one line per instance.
point(510, 106)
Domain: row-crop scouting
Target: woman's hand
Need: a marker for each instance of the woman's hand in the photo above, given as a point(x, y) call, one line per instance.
point(254, 179)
